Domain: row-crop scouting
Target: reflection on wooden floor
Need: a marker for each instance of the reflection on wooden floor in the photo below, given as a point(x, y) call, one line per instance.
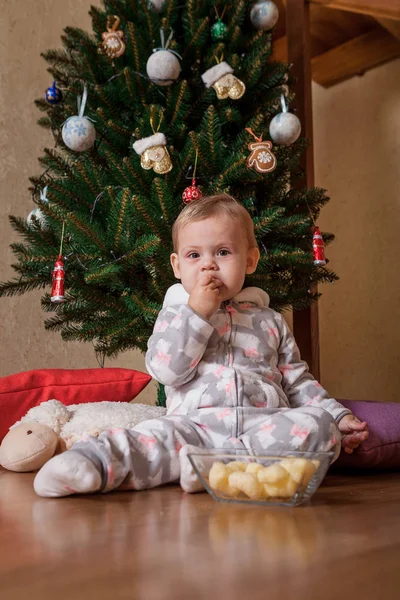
point(164, 544)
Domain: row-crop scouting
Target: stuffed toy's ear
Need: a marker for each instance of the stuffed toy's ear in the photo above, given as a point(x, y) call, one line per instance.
point(27, 447)
point(52, 413)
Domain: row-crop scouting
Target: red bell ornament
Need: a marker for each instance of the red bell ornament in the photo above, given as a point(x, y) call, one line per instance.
point(192, 192)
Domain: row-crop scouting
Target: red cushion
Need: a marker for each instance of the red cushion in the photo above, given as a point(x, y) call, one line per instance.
point(22, 391)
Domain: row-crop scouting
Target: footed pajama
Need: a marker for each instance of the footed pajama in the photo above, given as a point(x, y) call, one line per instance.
point(234, 381)
point(148, 455)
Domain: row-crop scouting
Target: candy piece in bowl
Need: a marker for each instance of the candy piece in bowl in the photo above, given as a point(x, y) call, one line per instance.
point(282, 479)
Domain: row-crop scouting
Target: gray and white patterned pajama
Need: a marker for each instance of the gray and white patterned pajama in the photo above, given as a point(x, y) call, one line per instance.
point(235, 381)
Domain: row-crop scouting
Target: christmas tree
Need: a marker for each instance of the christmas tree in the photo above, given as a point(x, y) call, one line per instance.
point(115, 178)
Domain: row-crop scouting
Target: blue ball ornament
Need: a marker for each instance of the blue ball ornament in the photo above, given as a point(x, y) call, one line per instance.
point(53, 94)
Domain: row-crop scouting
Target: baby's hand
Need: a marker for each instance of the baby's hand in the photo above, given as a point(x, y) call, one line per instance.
point(355, 432)
point(205, 298)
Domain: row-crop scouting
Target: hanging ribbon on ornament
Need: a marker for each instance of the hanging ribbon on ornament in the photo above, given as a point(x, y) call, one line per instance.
point(153, 151)
point(113, 44)
point(163, 66)
point(192, 192)
point(78, 132)
point(165, 45)
point(81, 101)
point(57, 289)
point(317, 242)
point(261, 157)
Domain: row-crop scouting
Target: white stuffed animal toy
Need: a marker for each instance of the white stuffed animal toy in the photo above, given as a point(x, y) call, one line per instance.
point(52, 427)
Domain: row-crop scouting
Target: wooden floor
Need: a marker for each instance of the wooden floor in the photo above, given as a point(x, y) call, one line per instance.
point(163, 544)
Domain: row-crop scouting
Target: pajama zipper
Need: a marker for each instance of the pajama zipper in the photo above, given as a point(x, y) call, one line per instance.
point(230, 354)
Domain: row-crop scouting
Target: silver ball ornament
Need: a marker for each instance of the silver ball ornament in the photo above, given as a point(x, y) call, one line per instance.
point(78, 134)
point(39, 215)
point(157, 4)
point(163, 67)
point(264, 15)
point(285, 128)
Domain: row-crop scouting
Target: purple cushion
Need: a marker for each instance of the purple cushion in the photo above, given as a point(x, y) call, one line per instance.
point(382, 448)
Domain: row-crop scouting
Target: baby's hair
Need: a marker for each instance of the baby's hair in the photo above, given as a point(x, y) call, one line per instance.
point(210, 206)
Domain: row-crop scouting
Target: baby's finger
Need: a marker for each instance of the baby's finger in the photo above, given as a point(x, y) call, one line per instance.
point(353, 444)
point(206, 278)
point(357, 425)
point(346, 443)
point(352, 440)
point(215, 283)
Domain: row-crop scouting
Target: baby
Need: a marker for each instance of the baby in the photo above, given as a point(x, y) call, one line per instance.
point(231, 367)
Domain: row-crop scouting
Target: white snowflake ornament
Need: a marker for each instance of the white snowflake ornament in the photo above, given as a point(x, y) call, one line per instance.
point(78, 132)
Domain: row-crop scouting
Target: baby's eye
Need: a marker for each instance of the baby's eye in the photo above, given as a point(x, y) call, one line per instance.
point(193, 255)
point(223, 252)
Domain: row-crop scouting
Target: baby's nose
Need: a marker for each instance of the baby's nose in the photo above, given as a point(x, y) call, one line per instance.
point(208, 265)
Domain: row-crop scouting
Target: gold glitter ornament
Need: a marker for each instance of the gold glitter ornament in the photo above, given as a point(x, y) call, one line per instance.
point(113, 44)
point(154, 154)
point(224, 82)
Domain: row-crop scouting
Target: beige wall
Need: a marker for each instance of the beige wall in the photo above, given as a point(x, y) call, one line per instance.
point(357, 152)
point(355, 149)
point(27, 28)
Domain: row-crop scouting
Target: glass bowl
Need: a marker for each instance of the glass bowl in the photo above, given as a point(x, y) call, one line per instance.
point(285, 479)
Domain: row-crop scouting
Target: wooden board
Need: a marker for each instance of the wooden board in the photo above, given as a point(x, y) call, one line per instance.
point(384, 9)
point(350, 59)
point(355, 57)
point(331, 28)
point(305, 322)
point(392, 26)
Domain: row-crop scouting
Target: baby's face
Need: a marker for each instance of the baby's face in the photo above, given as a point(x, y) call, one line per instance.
point(218, 245)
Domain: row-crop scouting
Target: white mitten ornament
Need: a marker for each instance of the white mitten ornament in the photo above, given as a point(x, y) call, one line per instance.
point(153, 153)
point(78, 132)
point(223, 81)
